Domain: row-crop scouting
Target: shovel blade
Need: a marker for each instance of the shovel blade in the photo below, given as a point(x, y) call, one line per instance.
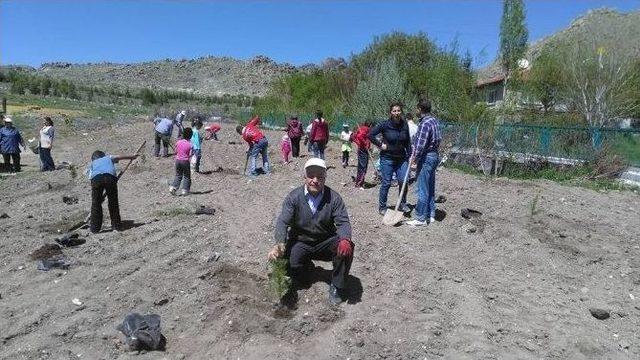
point(392, 217)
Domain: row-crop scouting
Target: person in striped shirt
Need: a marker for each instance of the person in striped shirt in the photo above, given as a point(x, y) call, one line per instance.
point(425, 159)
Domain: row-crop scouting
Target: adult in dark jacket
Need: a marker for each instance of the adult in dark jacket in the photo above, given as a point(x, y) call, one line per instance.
point(319, 135)
point(10, 138)
point(395, 149)
point(295, 132)
point(314, 225)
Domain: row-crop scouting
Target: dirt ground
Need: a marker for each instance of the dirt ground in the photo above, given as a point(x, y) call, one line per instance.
point(517, 283)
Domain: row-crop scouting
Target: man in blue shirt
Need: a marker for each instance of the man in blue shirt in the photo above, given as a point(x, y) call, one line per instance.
point(163, 129)
point(425, 159)
point(102, 173)
point(10, 138)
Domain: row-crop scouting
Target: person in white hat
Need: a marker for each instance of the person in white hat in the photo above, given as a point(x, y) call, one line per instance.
point(314, 225)
point(178, 122)
point(10, 139)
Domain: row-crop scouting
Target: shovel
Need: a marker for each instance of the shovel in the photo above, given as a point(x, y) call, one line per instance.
point(392, 217)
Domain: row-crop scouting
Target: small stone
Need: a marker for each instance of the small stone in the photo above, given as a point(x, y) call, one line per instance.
point(161, 302)
point(584, 290)
point(457, 279)
point(624, 344)
point(360, 343)
point(4, 216)
point(76, 301)
point(492, 296)
point(600, 314)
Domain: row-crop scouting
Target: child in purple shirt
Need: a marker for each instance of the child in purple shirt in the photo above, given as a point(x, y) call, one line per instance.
point(183, 167)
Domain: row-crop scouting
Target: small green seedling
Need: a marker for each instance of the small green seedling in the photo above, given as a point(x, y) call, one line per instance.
point(279, 281)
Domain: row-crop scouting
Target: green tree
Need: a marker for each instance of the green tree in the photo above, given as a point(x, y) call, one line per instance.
point(513, 35)
point(148, 97)
point(545, 79)
point(45, 86)
point(374, 94)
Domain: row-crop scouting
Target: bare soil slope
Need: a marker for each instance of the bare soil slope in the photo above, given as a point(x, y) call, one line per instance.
point(517, 283)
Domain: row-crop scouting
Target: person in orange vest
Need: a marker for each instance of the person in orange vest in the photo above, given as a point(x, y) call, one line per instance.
point(257, 145)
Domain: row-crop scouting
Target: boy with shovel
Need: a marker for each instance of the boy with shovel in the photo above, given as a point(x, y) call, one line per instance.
point(102, 173)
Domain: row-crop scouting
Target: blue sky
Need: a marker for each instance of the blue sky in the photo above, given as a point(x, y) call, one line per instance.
point(33, 32)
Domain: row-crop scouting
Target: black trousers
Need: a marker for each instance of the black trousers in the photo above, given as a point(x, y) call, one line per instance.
point(295, 147)
point(46, 161)
point(183, 175)
point(99, 185)
point(16, 162)
point(300, 254)
point(363, 163)
point(345, 158)
point(165, 144)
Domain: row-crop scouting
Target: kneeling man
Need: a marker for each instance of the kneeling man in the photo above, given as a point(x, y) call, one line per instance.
point(314, 225)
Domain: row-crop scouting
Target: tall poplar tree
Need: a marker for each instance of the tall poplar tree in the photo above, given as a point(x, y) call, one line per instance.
point(513, 35)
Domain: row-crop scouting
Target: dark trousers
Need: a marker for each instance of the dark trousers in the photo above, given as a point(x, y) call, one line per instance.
point(16, 162)
point(183, 175)
point(301, 254)
point(363, 163)
point(198, 154)
point(295, 147)
point(46, 161)
point(99, 185)
point(165, 144)
point(345, 158)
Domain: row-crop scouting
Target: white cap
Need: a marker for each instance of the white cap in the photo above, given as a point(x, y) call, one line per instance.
point(183, 112)
point(7, 119)
point(315, 162)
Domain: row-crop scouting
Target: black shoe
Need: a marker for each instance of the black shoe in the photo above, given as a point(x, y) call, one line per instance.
point(382, 211)
point(335, 295)
point(290, 299)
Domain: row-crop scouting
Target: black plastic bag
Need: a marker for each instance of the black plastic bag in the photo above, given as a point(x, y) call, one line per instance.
point(142, 332)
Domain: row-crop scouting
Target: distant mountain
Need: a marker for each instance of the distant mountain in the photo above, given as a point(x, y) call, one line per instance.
point(205, 76)
point(609, 22)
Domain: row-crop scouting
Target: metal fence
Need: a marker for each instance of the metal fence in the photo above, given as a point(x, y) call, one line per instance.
point(576, 143)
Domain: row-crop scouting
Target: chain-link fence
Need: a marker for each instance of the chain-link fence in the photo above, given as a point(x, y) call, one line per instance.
point(575, 143)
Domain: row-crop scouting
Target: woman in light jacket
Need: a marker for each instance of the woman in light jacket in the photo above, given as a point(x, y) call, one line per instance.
point(46, 141)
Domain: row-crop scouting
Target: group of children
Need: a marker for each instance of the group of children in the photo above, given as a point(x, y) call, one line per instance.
point(360, 138)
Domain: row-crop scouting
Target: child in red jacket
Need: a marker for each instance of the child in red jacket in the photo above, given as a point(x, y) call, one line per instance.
point(257, 145)
point(319, 135)
point(361, 139)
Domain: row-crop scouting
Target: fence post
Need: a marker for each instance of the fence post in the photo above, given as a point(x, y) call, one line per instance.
point(596, 139)
point(4, 105)
point(545, 140)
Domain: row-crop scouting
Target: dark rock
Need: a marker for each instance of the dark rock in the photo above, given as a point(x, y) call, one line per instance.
point(470, 213)
point(69, 200)
point(600, 314)
point(161, 302)
point(4, 216)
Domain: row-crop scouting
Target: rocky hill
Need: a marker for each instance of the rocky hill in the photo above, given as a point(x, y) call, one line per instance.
point(205, 76)
point(621, 28)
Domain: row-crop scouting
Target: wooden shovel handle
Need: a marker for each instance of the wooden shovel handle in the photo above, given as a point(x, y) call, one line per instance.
point(404, 185)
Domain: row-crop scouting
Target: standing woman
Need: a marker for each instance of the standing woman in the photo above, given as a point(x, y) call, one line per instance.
point(395, 149)
point(294, 131)
point(46, 141)
point(319, 135)
point(10, 139)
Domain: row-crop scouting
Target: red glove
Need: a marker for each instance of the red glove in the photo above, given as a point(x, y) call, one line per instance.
point(345, 248)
